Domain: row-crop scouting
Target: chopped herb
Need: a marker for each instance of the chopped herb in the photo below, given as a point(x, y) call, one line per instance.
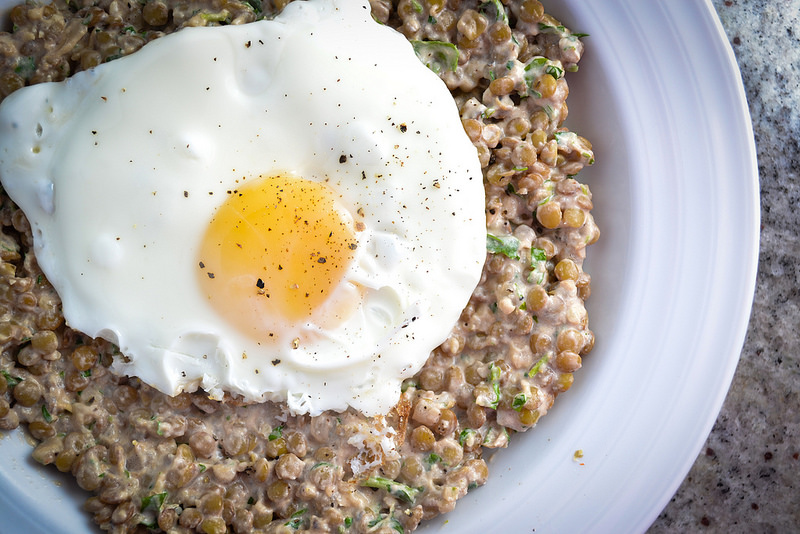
point(39, 280)
point(494, 307)
point(222, 17)
point(11, 381)
point(348, 521)
point(397, 489)
point(547, 28)
point(26, 66)
point(500, 10)
point(202, 467)
point(506, 245)
point(276, 433)
point(417, 6)
point(579, 35)
point(432, 458)
point(437, 55)
point(257, 5)
point(467, 437)
point(492, 75)
point(509, 65)
point(488, 112)
point(156, 500)
point(251, 501)
point(519, 401)
point(538, 365)
point(158, 428)
point(410, 383)
point(47, 417)
point(386, 520)
point(320, 464)
point(520, 169)
point(87, 373)
point(296, 520)
point(538, 66)
point(431, 19)
point(538, 254)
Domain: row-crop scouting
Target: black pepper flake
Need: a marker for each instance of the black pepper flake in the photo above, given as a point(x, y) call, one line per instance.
point(352, 246)
point(202, 265)
point(403, 128)
point(342, 159)
point(260, 283)
point(186, 194)
point(321, 260)
point(247, 44)
point(211, 275)
point(276, 361)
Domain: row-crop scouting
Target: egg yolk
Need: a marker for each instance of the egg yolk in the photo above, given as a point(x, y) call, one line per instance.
point(276, 248)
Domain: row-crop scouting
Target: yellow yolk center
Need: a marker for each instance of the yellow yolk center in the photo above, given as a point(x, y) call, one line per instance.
point(275, 249)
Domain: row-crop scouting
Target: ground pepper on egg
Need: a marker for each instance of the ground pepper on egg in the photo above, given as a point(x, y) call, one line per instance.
point(192, 464)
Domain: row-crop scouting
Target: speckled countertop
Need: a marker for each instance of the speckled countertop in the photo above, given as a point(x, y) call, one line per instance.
point(747, 477)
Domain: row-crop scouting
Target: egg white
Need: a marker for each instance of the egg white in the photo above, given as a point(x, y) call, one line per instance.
point(120, 169)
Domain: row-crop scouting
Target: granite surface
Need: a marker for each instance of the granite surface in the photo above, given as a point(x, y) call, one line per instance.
point(747, 477)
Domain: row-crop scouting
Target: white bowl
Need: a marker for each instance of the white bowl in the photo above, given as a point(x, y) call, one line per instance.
point(676, 195)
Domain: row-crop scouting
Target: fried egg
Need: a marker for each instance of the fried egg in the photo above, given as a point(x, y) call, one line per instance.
point(287, 210)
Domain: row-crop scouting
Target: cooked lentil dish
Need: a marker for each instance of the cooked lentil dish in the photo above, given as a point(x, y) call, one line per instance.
point(184, 464)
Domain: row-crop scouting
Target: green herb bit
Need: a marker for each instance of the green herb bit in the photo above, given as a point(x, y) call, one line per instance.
point(494, 372)
point(26, 66)
point(11, 381)
point(386, 520)
point(222, 17)
point(538, 254)
point(538, 365)
point(437, 55)
point(321, 464)
point(348, 521)
point(496, 390)
point(519, 401)
point(431, 19)
point(257, 5)
point(409, 383)
point(156, 501)
point(87, 373)
point(46, 414)
point(276, 433)
point(296, 519)
point(202, 467)
point(509, 65)
point(417, 6)
point(506, 245)
point(547, 28)
point(500, 10)
point(467, 437)
point(432, 458)
point(397, 489)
